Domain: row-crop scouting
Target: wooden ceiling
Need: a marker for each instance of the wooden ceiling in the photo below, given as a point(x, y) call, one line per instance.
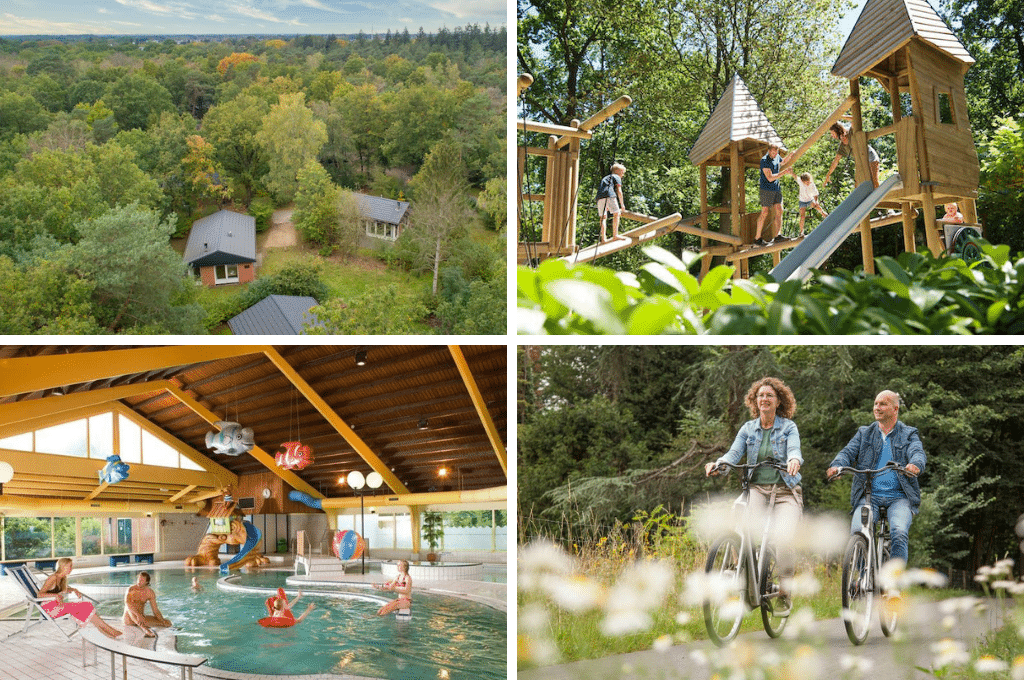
point(364, 418)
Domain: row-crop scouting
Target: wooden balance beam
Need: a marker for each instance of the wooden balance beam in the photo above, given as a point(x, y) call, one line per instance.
point(652, 228)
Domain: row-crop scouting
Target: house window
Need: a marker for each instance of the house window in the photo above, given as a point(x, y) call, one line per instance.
point(382, 230)
point(225, 273)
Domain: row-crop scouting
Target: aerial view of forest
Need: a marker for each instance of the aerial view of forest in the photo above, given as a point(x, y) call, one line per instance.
point(366, 172)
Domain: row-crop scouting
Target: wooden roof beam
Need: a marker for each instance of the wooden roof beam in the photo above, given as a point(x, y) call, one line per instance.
point(47, 406)
point(354, 440)
point(258, 453)
point(481, 406)
point(29, 374)
point(822, 129)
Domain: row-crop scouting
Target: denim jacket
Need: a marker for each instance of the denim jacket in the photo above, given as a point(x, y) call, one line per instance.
point(864, 449)
point(785, 445)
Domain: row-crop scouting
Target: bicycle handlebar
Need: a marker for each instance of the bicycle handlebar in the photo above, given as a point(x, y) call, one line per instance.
point(891, 465)
point(749, 466)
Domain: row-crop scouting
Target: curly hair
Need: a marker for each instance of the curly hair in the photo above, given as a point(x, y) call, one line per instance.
point(838, 128)
point(787, 402)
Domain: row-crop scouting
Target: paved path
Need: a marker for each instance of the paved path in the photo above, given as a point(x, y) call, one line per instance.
point(827, 640)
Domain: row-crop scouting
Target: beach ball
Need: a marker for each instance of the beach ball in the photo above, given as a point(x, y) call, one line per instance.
point(348, 545)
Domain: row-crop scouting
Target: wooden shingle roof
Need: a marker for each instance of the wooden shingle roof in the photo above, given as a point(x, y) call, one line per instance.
point(736, 117)
point(884, 26)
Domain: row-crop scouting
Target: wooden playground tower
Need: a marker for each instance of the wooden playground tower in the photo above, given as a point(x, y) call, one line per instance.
point(903, 44)
point(907, 48)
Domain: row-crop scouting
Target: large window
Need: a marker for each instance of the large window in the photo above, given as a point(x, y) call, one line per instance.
point(383, 230)
point(463, 530)
point(93, 437)
point(225, 273)
point(26, 537)
point(91, 537)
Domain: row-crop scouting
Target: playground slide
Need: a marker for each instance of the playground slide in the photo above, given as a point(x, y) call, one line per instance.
point(252, 539)
point(820, 243)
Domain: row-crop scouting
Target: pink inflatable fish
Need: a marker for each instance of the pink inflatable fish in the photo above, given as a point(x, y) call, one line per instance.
point(295, 456)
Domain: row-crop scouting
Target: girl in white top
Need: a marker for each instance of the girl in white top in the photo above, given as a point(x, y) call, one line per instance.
point(808, 198)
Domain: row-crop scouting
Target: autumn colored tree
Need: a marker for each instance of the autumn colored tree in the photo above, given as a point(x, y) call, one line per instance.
point(234, 59)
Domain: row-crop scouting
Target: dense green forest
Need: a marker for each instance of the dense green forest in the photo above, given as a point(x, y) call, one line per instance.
point(607, 432)
point(676, 59)
point(110, 148)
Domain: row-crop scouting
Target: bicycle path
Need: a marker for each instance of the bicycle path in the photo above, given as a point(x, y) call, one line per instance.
point(889, 658)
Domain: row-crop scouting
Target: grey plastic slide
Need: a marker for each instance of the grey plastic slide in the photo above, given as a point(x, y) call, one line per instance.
point(820, 243)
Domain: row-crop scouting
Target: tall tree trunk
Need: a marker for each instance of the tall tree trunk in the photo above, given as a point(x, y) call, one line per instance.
point(437, 262)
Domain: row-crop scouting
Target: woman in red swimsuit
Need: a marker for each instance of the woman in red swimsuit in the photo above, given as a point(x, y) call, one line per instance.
point(401, 585)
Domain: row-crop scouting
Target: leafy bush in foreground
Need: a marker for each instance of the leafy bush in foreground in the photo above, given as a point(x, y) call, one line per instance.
point(913, 294)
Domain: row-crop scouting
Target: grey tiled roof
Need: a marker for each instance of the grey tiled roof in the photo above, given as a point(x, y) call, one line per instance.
point(382, 209)
point(224, 237)
point(274, 315)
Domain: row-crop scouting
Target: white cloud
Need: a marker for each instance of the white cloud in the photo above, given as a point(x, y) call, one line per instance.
point(12, 25)
point(470, 8)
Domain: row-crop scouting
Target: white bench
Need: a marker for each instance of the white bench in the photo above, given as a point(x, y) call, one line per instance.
point(117, 648)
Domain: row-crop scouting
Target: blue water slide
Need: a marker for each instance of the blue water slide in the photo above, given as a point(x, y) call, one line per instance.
point(823, 240)
point(305, 499)
point(252, 539)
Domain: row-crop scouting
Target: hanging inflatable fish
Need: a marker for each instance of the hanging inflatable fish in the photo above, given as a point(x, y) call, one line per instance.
point(232, 440)
point(295, 456)
point(114, 471)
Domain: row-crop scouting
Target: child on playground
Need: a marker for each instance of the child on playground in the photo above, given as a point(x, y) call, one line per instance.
point(808, 198)
point(953, 214)
point(609, 199)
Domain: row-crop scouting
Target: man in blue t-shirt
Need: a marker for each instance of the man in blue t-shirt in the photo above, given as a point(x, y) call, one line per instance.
point(771, 193)
point(872, 447)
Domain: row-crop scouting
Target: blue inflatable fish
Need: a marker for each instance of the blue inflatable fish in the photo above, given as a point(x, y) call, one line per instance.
point(232, 440)
point(114, 471)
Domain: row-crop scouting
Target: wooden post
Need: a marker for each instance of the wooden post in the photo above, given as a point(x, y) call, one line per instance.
point(550, 194)
point(705, 262)
point(931, 226)
point(862, 173)
point(574, 185)
point(909, 244)
point(736, 188)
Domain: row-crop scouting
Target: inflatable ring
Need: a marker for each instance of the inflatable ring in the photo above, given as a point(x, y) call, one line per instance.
point(286, 621)
point(348, 545)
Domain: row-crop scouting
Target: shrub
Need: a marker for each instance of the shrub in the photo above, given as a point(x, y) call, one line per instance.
point(912, 294)
point(262, 208)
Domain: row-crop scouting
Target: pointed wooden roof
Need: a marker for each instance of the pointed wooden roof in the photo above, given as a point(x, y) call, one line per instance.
point(736, 117)
point(884, 26)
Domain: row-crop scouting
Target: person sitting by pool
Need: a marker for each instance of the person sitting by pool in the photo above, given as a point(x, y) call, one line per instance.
point(56, 587)
point(135, 604)
point(402, 584)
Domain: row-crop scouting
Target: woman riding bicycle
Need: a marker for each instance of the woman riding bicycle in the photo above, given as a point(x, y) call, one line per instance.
point(874, 445)
point(772, 434)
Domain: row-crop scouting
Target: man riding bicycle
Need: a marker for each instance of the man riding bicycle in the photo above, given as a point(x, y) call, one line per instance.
point(886, 439)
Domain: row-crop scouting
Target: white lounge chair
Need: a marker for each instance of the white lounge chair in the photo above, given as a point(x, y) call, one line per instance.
point(25, 579)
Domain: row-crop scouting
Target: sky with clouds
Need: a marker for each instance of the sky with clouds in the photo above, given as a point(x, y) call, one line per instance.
point(163, 17)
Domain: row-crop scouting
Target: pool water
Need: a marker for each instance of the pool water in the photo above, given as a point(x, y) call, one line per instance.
point(446, 638)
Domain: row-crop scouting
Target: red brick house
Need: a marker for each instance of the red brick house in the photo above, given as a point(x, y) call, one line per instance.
point(221, 248)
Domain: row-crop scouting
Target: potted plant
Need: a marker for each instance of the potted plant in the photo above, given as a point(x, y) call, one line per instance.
point(433, 532)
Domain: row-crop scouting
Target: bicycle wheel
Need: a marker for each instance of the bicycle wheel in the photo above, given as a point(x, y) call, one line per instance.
point(770, 589)
point(887, 615)
point(723, 611)
point(858, 595)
